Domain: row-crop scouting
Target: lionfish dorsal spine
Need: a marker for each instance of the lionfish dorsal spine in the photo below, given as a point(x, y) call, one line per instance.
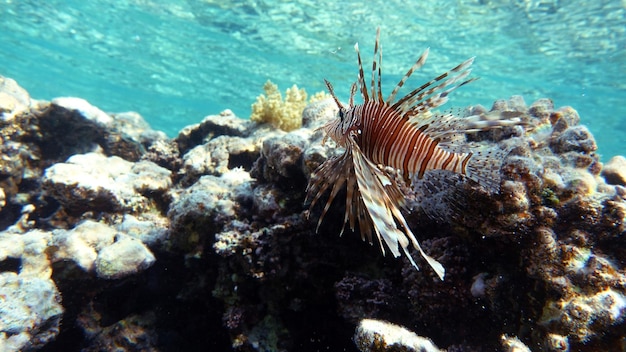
point(432, 94)
point(416, 66)
point(353, 89)
point(376, 68)
point(361, 77)
point(329, 86)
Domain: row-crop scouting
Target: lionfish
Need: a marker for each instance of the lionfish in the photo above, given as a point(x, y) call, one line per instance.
point(386, 138)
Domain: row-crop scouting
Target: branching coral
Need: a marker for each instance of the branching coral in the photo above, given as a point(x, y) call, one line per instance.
point(284, 114)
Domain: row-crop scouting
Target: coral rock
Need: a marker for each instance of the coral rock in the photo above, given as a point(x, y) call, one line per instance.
point(89, 111)
point(614, 172)
point(82, 243)
point(380, 336)
point(30, 308)
point(14, 100)
point(125, 257)
point(30, 312)
point(211, 126)
point(513, 344)
point(196, 211)
point(99, 183)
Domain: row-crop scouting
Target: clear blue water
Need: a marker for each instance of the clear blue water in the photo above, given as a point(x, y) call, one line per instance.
point(177, 61)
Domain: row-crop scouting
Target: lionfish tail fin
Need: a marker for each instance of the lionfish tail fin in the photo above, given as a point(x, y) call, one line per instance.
point(484, 167)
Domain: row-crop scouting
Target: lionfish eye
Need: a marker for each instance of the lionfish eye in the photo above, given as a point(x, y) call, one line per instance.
point(341, 114)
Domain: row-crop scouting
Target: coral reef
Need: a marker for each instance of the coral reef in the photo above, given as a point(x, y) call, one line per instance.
point(113, 236)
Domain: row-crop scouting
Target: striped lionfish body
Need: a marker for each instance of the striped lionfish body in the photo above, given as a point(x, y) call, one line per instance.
point(381, 135)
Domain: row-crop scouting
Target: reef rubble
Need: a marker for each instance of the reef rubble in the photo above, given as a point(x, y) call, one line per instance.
point(114, 236)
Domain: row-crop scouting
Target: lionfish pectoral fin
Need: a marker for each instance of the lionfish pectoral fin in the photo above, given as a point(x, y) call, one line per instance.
point(332, 174)
point(381, 207)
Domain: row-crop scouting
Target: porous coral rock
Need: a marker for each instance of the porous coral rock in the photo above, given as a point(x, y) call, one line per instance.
point(89, 111)
point(125, 257)
point(30, 308)
point(82, 243)
point(103, 249)
point(380, 336)
point(30, 311)
point(133, 126)
point(14, 100)
point(281, 158)
point(99, 183)
point(614, 171)
point(149, 228)
point(203, 206)
point(513, 344)
point(226, 123)
point(229, 152)
point(197, 161)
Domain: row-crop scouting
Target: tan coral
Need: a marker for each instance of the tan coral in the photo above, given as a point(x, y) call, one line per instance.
point(284, 114)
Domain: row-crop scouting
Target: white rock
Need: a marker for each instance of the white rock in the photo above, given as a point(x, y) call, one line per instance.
point(3, 199)
point(30, 249)
point(100, 183)
point(513, 344)
point(82, 243)
point(614, 171)
point(149, 231)
point(378, 335)
point(30, 311)
point(14, 100)
point(89, 111)
point(124, 257)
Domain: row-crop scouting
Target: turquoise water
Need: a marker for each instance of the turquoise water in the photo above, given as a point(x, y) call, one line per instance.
point(177, 61)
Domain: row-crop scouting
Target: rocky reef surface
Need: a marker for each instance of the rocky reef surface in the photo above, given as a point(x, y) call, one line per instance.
point(115, 237)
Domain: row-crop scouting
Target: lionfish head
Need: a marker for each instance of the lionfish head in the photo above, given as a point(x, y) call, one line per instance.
point(345, 123)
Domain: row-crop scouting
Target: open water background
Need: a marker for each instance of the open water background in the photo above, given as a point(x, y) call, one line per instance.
point(176, 61)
